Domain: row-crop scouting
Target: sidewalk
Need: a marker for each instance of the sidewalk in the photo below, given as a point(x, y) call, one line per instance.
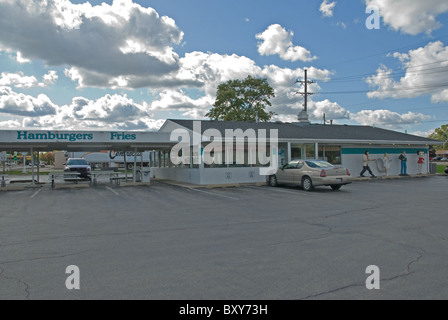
point(368, 178)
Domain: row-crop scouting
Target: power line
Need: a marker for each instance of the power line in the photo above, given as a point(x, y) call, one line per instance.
point(388, 90)
point(381, 53)
point(397, 72)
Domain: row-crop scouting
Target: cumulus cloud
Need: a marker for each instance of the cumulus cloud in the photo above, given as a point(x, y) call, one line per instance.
point(210, 70)
point(13, 103)
point(20, 80)
point(327, 8)
point(107, 112)
point(118, 43)
point(387, 118)
point(426, 73)
point(411, 16)
point(9, 124)
point(332, 110)
point(275, 40)
point(110, 108)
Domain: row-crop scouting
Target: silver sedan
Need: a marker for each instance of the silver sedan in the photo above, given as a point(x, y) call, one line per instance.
point(311, 173)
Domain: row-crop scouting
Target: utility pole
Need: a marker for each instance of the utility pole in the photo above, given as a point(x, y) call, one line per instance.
point(303, 116)
point(305, 94)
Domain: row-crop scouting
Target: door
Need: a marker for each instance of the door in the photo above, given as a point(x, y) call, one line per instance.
point(286, 173)
point(298, 173)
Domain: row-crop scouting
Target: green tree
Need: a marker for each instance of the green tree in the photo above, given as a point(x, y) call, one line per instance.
point(47, 157)
point(441, 134)
point(243, 100)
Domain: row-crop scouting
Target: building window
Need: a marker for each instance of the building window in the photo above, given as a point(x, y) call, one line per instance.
point(303, 151)
point(332, 154)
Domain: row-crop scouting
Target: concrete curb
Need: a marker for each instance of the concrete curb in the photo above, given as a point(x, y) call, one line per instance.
point(393, 177)
point(134, 184)
point(13, 188)
point(71, 186)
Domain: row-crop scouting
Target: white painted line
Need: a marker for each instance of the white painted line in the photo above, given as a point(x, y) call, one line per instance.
point(35, 193)
point(280, 190)
point(113, 191)
point(213, 194)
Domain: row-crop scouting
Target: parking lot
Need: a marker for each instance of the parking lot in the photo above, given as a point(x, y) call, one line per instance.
point(173, 242)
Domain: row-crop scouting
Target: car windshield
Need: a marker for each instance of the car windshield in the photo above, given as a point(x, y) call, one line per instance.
point(77, 162)
point(319, 164)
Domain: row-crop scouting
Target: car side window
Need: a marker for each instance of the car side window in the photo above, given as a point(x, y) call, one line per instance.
point(300, 165)
point(290, 166)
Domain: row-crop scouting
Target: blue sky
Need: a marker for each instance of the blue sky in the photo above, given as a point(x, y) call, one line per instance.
point(132, 64)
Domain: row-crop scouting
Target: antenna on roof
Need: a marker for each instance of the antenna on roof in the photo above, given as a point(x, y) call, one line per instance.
point(327, 121)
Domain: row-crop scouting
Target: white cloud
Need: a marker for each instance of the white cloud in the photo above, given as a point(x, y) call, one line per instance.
point(50, 78)
point(21, 59)
point(13, 103)
point(105, 42)
point(424, 134)
point(110, 108)
point(332, 110)
point(9, 124)
point(387, 118)
point(19, 80)
point(411, 16)
point(426, 73)
point(210, 70)
point(327, 8)
point(275, 40)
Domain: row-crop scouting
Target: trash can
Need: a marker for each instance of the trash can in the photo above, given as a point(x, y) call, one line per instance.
point(145, 174)
point(433, 168)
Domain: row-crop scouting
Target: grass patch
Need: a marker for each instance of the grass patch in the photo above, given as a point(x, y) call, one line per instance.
point(441, 168)
point(20, 172)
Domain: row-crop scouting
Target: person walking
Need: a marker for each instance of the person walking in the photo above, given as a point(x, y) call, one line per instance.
point(365, 164)
point(404, 163)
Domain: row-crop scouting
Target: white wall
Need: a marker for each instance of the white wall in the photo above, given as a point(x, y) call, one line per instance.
point(231, 176)
point(353, 162)
point(177, 174)
point(210, 176)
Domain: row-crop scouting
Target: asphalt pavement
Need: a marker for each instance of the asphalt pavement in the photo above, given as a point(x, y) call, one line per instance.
point(175, 242)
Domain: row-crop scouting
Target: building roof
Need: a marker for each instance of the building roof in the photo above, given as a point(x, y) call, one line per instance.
point(318, 132)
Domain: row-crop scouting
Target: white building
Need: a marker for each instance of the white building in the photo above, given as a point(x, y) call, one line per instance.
point(236, 160)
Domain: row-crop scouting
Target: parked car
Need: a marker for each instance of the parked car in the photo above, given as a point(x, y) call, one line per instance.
point(311, 173)
point(446, 169)
point(79, 165)
point(436, 158)
point(444, 159)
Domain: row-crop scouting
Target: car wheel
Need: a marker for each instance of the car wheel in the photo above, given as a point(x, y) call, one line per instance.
point(273, 181)
point(307, 184)
point(336, 187)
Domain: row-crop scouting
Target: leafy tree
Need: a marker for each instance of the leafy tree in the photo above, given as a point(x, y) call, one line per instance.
point(47, 157)
point(441, 134)
point(243, 100)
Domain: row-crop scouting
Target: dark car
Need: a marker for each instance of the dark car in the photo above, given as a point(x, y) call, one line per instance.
point(79, 165)
point(446, 170)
